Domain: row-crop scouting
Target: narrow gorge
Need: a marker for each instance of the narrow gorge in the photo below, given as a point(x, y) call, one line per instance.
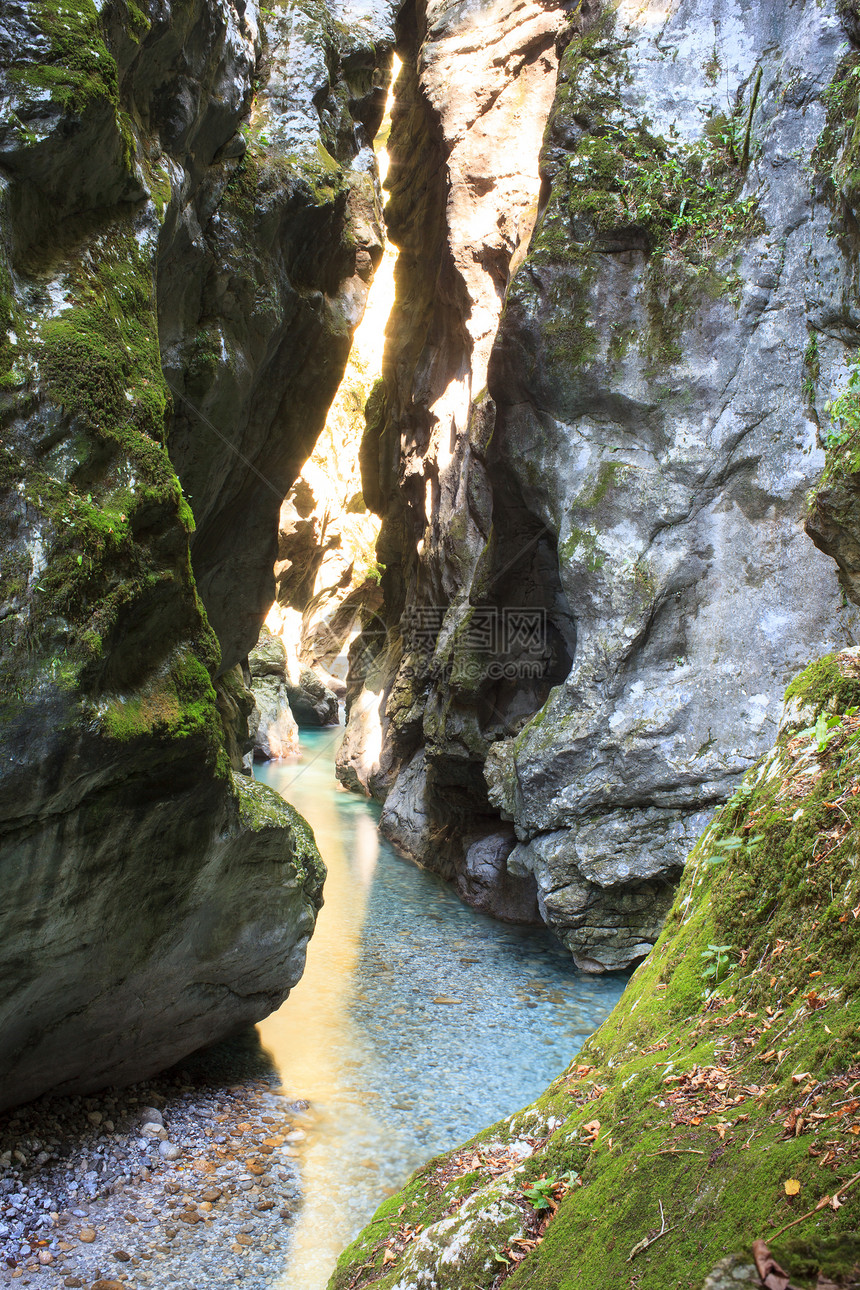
point(437, 422)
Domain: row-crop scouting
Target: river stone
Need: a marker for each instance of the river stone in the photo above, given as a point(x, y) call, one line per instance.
point(312, 702)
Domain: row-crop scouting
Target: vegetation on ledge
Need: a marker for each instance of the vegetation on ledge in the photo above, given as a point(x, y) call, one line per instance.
point(717, 1103)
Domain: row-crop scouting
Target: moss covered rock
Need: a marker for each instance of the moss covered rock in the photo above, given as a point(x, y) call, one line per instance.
point(152, 901)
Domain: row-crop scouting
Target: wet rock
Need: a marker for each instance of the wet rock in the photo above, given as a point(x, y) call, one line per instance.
point(487, 881)
point(313, 704)
point(142, 325)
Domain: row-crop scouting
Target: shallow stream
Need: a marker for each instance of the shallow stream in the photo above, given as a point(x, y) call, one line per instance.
point(418, 1021)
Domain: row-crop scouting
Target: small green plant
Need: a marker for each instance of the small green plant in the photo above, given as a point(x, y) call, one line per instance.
point(826, 728)
point(724, 847)
point(715, 968)
point(542, 1195)
point(375, 572)
point(844, 413)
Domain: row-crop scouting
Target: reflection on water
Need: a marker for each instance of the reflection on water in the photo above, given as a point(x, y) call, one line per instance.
point(417, 1022)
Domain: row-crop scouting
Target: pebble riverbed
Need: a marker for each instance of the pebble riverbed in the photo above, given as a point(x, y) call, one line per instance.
point(183, 1181)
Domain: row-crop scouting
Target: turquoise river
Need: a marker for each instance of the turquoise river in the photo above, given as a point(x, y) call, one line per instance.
point(417, 1022)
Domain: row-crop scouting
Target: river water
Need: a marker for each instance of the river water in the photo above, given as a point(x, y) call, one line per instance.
point(417, 1022)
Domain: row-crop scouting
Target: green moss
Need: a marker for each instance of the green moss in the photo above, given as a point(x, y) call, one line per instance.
point(582, 545)
point(81, 71)
point(624, 188)
point(178, 703)
point(825, 684)
point(113, 532)
point(260, 174)
point(261, 808)
point(607, 477)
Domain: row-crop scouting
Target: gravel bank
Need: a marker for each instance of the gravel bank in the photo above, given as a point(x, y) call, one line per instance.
point(184, 1181)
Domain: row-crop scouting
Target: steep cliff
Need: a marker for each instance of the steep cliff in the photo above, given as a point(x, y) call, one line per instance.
point(717, 1104)
point(470, 106)
point(188, 210)
point(634, 478)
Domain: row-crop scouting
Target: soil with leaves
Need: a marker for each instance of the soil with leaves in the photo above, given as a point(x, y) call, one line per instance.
point(719, 1105)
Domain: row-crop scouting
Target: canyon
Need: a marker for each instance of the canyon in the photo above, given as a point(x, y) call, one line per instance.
point(560, 549)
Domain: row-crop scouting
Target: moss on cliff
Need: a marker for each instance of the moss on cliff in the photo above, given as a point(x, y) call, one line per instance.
point(112, 524)
point(836, 158)
point(81, 71)
point(726, 1070)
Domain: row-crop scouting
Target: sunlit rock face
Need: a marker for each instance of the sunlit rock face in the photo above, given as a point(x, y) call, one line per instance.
point(189, 209)
point(639, 467)
point(276, 734)
point(471, 103)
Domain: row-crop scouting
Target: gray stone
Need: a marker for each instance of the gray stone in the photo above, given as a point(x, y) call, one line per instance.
point(312, 702)
point(275, 729)
point(636, 470)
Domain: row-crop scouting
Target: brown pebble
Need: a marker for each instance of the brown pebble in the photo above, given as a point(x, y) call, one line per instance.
point(122, 1255)
point(107, 1285)
point(244, 1239)
point(73, 1283)
point(45, 1257)
point(211, 1194)
point(205, 1205)
point(265, 1204)
point(286, 1213)
point(237, 1249)
point(190, 1216)
point(173, 1188)
point(87, 1235)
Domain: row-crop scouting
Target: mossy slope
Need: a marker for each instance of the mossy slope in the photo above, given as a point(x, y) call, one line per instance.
point(704, 1097)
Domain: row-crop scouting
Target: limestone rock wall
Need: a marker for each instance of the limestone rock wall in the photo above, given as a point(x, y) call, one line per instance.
point(471, 102)
point(188, 211)
point(638, 466)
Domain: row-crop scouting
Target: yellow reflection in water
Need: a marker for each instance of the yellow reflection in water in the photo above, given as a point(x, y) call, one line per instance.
point(311, 1037)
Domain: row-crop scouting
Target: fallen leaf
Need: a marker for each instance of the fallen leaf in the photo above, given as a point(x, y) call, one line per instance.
point(792, 1186)
point(389, 1257)
point(772, 1275)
